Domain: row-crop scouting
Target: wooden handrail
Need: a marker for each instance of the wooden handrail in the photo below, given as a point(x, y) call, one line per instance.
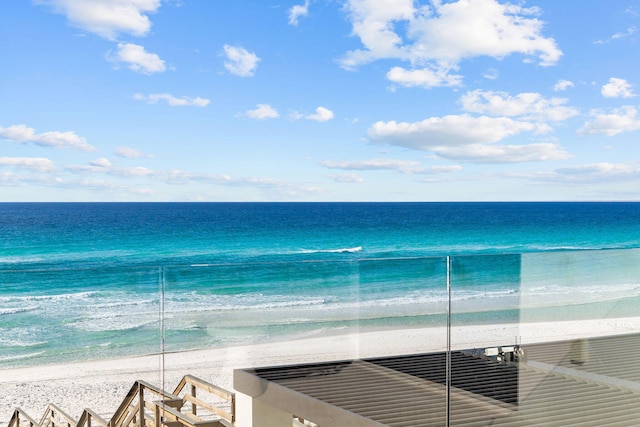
point(126, 413)
point(199, 384)
point(167, 413)
point(49, 416)
point(125, 404)
point(88, 417)
point(15, 419)
point(146, 405)
point(213, 389)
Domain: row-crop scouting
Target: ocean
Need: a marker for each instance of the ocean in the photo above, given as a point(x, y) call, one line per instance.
point(85, 281)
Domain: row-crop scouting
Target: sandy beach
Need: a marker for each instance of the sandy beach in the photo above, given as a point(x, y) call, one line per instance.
point(101, 385)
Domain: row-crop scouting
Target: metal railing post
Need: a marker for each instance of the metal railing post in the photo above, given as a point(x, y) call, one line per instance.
point(448, 363)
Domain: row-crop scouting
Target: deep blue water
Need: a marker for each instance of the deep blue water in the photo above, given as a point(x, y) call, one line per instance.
point(89, 280)
point(159, 233)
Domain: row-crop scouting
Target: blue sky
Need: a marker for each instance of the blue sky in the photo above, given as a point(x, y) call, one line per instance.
point(319, 100)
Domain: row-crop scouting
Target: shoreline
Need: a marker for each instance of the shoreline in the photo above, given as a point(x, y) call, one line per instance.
point(102, 384)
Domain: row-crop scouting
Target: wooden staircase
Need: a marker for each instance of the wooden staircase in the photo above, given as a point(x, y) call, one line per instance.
point(193, 403)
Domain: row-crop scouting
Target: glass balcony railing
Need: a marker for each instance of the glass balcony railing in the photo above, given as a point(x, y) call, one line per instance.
point(547, 339)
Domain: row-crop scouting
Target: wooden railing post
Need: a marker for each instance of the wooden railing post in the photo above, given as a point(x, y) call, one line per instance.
point(157, 415)
point(141, 403)
point(193, 405)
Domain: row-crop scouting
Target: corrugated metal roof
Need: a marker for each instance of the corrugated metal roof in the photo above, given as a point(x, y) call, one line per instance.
point(594, 382)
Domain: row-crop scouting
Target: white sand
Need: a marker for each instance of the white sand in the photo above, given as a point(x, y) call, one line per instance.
point(101, 385)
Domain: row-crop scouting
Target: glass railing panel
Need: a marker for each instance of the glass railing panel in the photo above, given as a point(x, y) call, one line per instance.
point(562, 343)
point(237, 304)
point(580, 333)
point(257, 314)
point(485, 300)
point(485, 323)
point(403, 340)
point(579, 286)
point(219, 318)
point(76, 338)
point(404, 300)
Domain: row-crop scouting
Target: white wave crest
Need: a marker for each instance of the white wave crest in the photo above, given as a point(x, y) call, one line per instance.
point(102, 323)
point(333, 251)
point(242, 302)
point(58, 297)
point(17, 310)
point(20, 259)
point(20, 356)
point(19, 343)
point(117, 304)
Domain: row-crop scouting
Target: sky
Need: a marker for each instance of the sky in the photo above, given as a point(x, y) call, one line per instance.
point(319, 100)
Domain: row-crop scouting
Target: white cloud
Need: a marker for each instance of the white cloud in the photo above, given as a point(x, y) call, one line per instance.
point(619, 35)
point(601, 169)
point(106, 186)
point(55, 139)
point(469, 28)
point(424, 77)
point(107, 18)
point(403, 166)
point(617, 88)
point(448, 130)
point(298, 11)
point(373, 22)
point(38, 164)
point(240, 61)
point(346, 178)
point(484, 153)
point(528, 105)
point(624, 34)
point(491, 74)
point(562, 85)
point(134, 171)
point(86, 168)
point(281, 188)
point(296, 115)
point(102, 169)
point(469, 138)
point(595, 173)
point(101, 162)
point(129, 153)
point(440, 36)
point(373, 164)
point(138, 59)
point(322, 114)
point(466, 138)
point(263, 111)
point(619, 120)
point(171, 100)
point(104, 166)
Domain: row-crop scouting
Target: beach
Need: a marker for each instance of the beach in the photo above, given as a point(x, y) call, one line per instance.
point(102, 384)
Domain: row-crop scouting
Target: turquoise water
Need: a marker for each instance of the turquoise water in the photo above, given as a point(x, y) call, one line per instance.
point(87, 281)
